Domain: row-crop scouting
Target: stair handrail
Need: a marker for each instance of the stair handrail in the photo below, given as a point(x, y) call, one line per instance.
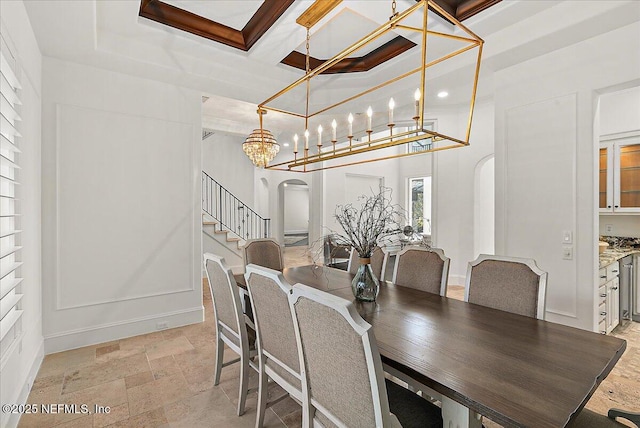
point(225, 207)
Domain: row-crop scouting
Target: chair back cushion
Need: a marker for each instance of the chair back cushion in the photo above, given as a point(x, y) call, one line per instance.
point(420, 269)
point(273, 319)
point(505, 285)
point(224, 301)
point(335, 363)
point(263, 252)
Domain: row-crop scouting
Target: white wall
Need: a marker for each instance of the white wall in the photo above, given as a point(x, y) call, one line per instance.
point(296, 209)
point(619, 112)
point(20, 363)
point(546, 163)
point(623, 225)
point(454, 172)
point(224, 160)
point(121, 205)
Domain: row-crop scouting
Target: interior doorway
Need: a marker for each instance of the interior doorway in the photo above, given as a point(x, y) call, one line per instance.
point(295, 213)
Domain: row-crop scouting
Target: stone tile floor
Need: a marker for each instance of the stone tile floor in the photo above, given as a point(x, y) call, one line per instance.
point(165, 379)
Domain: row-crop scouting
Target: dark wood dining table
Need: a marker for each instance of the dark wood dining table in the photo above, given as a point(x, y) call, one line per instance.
point(517, 371)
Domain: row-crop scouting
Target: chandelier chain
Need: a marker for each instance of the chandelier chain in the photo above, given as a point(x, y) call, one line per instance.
point(307, 68)
point(393, 9)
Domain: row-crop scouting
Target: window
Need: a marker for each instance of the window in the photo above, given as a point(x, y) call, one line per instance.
point(420, 204)
point(10, 296)
point(421, 145)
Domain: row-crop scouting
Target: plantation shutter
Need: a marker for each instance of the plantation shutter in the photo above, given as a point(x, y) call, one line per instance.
point(10, 296)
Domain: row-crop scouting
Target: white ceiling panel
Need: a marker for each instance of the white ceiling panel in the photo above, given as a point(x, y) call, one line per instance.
point(232, 13)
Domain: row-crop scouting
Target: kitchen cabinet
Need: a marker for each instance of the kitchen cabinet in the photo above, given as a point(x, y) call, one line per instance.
point(609, 298)
point(619, 175)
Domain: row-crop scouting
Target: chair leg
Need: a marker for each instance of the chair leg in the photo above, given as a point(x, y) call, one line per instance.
point(244, 382)
point(219, 359)
point(263, 386)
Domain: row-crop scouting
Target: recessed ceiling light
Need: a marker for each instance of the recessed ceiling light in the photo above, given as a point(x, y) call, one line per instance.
point(286, 144)
point(443, 94)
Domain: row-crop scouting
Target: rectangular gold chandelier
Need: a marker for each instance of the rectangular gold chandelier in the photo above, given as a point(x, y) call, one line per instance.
point(317, 98)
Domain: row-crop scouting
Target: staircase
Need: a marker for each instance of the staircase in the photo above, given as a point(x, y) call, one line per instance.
point(227, 219)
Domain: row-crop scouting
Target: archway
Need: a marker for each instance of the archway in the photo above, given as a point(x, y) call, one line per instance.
point(484, 207)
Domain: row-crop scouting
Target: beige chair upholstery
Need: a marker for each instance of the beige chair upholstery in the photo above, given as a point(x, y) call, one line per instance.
point(263, 252)
point(231, 323)
point(342, 378)
point(379, 260)
point(507, 283)
point(275, 335)
point(425, 269)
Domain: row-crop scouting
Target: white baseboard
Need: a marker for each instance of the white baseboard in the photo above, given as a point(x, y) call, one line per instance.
point(23, 393)
point(118, 330)
point(296, 232)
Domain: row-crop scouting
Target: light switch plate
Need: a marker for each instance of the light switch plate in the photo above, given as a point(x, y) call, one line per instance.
point(567, 252)
point(567, 237)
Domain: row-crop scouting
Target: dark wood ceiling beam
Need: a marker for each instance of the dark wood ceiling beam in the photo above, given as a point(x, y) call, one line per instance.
point(468, 8)
point(366, 62)
point(266, 15)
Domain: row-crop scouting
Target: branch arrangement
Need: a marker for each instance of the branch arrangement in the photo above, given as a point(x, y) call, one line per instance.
point(364, 225)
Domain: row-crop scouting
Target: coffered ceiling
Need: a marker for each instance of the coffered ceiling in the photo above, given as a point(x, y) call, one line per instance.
point(241, 27)
point(111, 34)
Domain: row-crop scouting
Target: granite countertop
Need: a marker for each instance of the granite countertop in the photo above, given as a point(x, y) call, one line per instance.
point(611, 255)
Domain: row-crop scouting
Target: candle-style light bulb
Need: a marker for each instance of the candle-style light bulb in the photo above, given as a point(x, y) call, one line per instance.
point(306, 139)
point(350, 119)
point(392, 104)
point(369, 115)
point(416, 96)
point(319, 135)
point(295, 143)
point(334, 126)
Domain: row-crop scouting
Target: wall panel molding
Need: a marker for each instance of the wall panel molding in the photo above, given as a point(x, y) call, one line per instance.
point(109, 166)
point(542, 136)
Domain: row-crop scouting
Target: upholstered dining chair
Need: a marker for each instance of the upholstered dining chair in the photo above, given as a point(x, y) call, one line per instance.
point(275, 336)
point(263, 252)
point(342, 379)
point(232, 326)
point(425, 269)
point(518, 286)
point(509, 284)
point(379, 259)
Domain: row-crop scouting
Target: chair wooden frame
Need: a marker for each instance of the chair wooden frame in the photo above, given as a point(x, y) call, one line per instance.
point(439, 252)
point(530, 263)
point(249, 242)
point(383, 415)
point(225, 334)
point(264, 370)
point(353, 256)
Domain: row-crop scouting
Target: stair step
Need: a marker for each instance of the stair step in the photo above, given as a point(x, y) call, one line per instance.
point(209, 223)
point(221, 231)
point(233, 239)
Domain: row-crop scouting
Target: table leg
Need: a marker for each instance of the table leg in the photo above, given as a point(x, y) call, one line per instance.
point(455, 415)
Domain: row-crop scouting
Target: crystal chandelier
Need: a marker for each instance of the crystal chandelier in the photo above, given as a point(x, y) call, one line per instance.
point(260, 146)
point(317, 98)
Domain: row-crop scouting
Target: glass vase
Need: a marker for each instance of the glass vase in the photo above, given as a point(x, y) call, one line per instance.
point(365, 285)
